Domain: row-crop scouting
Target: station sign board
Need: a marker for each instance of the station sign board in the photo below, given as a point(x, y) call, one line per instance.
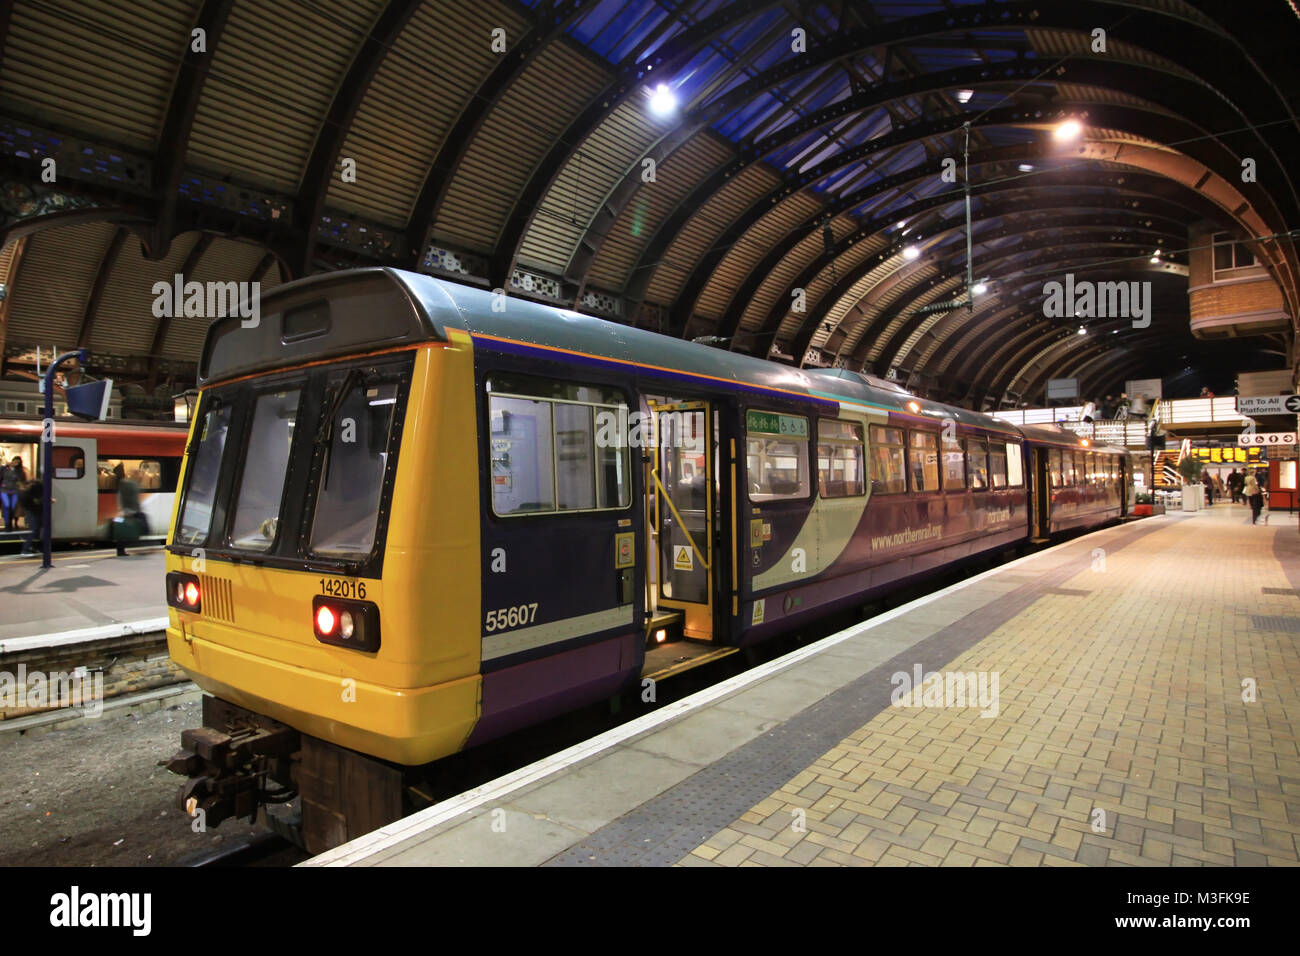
point(1268, 404)
point(1266, 438)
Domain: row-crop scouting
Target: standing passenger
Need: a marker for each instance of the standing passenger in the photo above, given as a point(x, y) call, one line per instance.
point(30, 499)
point(1208, 482)
point(128, 513)
point(12, 479)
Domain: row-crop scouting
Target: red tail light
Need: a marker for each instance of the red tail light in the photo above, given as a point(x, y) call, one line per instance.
point(192, 594)
point(324, 621)
point(184, 592)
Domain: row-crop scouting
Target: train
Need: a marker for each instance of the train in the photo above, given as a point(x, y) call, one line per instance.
point(416, 516)
point(89, 459)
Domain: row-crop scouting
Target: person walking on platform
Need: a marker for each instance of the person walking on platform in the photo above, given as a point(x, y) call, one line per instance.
point(126, 526)
point(30, 500)
point(12, 478)
point(1208, 482)
point(1254, 496)
point(1234, 485)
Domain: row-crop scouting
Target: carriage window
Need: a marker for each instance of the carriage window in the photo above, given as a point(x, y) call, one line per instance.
point(923, 461)
point(998, 464)
point(839, 459)
point(1094, 478)
point(1067, 468)
point(888, 476)
point(977, 464)
point(776, 455)
point(550, 455)
point(352, 478)
point(954, 466)
point(201, 480)
point(1015, 467)
point(69, 461)
point(149, 474)
point(1080, 469)
point(1055, 466)
point(266, 461)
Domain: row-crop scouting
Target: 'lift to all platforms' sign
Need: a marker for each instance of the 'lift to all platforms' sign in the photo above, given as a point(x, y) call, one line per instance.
point(1266, 438)
point(1268, 404)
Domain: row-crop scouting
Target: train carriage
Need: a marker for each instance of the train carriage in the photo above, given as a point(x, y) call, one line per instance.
point(417, 516)
point(89, 459)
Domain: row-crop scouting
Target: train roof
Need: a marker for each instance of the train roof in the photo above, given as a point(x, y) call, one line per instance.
point(1056, 435)
point(340, 313)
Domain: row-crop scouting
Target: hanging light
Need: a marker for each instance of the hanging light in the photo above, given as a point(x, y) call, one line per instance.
point(979, 288)
point(662, 100)
point(1068, 129)
point(910, 252)
point(963, 96)
point(1082, 330)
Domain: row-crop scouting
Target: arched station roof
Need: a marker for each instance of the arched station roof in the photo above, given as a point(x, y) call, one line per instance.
point(783, 177)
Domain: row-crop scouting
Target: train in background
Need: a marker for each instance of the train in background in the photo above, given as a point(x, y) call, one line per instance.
point(412, 521)
point(89, 459)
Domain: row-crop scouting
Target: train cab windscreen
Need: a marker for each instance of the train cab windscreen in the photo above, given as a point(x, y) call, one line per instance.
point(295, 467)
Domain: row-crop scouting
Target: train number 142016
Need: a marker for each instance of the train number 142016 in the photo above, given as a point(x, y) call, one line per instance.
point(509, 617)
point(341, 588)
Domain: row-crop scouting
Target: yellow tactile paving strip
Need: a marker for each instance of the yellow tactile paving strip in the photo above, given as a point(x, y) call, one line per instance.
point(1128, 699)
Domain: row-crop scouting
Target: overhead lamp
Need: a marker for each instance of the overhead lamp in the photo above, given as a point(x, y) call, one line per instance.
point(1068, 129)
point(902, 223)
point(963, 96)
point(910, 252)
point(1082, 330)
point(979, 288)
point(663, 101)
point(1155, 259)
point(1026, 167)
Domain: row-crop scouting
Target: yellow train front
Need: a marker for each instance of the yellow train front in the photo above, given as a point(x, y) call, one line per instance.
point(322, 567)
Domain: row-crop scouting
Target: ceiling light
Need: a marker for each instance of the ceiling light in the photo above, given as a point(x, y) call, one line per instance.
point(1069, 129)
point(1155, 259)
point(902, 223)
point(1026, 167)
point(910, 252)
point(963, 96)
point(662, 100)
point(1082, 330)
point(979, 288)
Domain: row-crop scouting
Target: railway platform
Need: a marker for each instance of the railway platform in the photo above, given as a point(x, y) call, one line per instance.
point(1132, 701)
point(86, 596)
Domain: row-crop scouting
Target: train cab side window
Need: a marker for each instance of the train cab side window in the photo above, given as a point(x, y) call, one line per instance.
point(1015, 466)
point(923, 461)
point(954, 466)
point(266, 462)
point(977, 464)
point(351, 484)
point(204, 470)
point(1054, 465)
point(776, 455)
point(888, 472)
point(839, 459)
point(549, 455)
point(998, 464)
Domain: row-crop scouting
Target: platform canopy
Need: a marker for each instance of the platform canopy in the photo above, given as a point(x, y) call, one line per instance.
point(784, 178)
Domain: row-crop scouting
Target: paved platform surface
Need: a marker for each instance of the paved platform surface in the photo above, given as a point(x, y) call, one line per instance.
point(92, 592)
point(1121, 736)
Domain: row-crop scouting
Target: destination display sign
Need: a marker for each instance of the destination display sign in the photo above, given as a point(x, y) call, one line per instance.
point(770, 423)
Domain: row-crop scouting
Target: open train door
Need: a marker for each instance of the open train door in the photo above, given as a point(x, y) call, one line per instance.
point(1042, 496)
point(684, 504)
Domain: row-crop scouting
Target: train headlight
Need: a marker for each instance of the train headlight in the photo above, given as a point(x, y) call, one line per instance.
point(351, 624)
point(184, 591)
point(324, 620)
